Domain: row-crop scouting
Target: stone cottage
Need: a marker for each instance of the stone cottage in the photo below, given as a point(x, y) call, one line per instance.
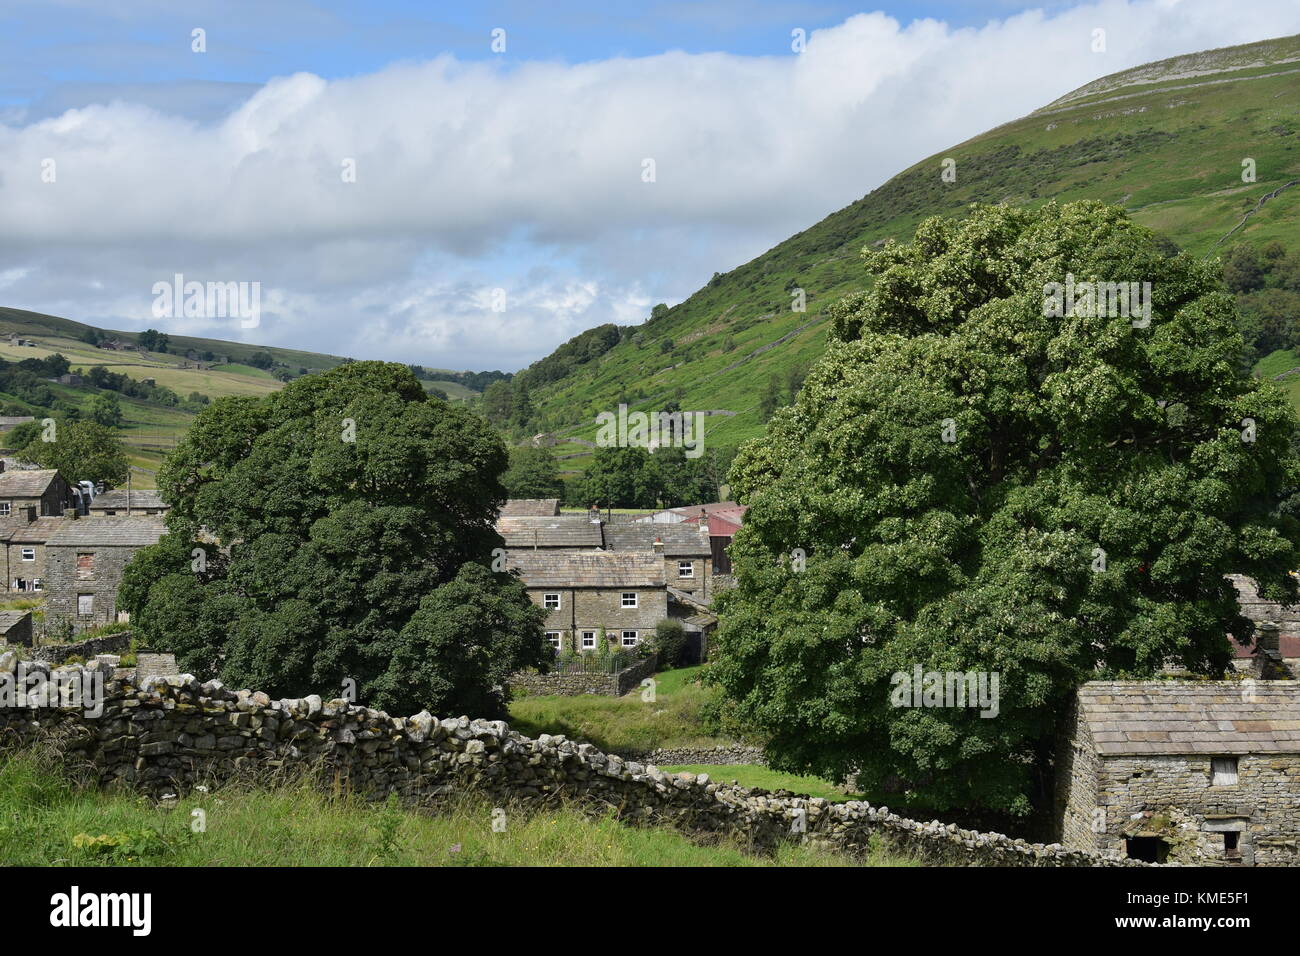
point(24, 544)
point(583, 592)
point(42, 488)
point(125, 501)
point(684, 549)
point(84, 560)
point(1286, 621)
point(16, 627)
point(1202, 772)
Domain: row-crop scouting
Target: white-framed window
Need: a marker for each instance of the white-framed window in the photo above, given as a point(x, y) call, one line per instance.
point(553, 638)
point(1223, 771)
point(686, 569)
point(29, 554)
point(629, 639)
point(551, 601)
point(4, 507)
point(36, 584)
point(588, 640)
point(629, 599)
point(85, 605)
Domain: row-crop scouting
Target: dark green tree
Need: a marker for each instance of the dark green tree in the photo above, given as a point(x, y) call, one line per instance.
point(81, 451)
point(356, 512)
point(621, 477)
point(106, 410)
point(681, 480)
point(533, 473)
point(970, 484)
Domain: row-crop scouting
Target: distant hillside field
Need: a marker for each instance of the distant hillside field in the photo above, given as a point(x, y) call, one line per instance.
point(151, 429)
point(1166, 141)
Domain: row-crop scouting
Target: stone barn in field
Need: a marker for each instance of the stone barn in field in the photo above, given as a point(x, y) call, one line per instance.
point(1199, 772)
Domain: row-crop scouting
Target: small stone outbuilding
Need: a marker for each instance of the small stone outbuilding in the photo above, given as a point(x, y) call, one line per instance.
point(16, 627)
point(1200, 772)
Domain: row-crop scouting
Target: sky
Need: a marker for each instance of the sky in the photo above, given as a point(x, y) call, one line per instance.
point(469, 185)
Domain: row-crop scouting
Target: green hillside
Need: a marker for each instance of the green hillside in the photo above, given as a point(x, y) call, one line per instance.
point(212, 367)
point(1165, 140)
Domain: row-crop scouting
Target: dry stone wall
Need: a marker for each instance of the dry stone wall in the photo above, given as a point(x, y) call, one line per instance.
point(171, 733)
point(719, 756)
point(575, 684)
point(58, 653)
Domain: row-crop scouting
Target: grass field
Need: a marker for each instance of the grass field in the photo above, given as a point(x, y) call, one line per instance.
point(45, 821)
point(756, 775)
point(678, 717)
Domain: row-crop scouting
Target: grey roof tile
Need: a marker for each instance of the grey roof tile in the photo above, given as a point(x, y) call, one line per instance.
point(1172, 717)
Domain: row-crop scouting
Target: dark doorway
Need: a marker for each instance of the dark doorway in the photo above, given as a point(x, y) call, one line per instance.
point(1232, 845)
point(1147, 849)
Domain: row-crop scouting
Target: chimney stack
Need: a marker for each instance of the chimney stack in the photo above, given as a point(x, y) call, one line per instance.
point(70, 513)
point(659, 545)
point(1267, 663)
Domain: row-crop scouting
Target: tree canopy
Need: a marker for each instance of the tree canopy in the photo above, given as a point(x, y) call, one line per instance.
point(533, 473)
point(968, 483)
point(80, 450)
point(357, 518)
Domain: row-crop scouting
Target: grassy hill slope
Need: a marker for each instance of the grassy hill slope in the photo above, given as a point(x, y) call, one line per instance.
point(1165, 140)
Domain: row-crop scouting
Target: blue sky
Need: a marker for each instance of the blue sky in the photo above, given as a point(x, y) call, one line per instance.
point(479, 171)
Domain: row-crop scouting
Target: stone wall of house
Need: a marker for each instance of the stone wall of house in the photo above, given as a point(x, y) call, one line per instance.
point(1076, 769)
point(1101, 801)
point(15, 568)
point(577, 684)
point(1172, 796)
point(590, 609)
point(697, 583)
point(170, 734)
point(63, 582)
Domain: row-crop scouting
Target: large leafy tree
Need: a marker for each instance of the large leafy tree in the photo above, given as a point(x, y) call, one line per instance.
point(354, 515)
point(970, 484)
point(622, 477)
point(81, 451)
point(533, 473)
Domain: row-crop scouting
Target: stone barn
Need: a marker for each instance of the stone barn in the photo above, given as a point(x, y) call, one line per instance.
point(84, 561)
point(1199, 772)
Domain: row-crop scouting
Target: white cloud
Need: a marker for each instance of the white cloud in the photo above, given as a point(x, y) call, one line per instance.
point(472, 176)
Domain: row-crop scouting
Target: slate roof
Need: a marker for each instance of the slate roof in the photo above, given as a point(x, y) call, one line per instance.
point(32, 532)
point(680, 540)
point(1132, 718)
point(26, 484)
point(561, 531)
point(115, 498)
point(536, 507)
point(9, 618)
point(109, 531)
point(587, 569)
